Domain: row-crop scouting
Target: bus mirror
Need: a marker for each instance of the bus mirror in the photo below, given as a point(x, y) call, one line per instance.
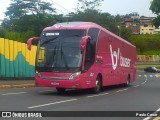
point(84, 41)
point(29, 42)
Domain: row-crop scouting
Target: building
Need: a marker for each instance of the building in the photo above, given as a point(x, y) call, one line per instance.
point(146, 25)
point(134, 15)
point(140, 25)
point(132, 21)
point(147, 29)
point(157, 31)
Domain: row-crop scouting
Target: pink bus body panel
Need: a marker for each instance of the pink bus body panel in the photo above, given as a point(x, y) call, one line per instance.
point(118, 59)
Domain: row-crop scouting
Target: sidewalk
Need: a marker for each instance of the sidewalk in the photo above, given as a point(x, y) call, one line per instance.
point(16, 83)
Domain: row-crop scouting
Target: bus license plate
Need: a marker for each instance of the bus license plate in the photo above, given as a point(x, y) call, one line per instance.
point(54, 83)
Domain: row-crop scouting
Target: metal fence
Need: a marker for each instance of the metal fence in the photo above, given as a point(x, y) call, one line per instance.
point(16, 61)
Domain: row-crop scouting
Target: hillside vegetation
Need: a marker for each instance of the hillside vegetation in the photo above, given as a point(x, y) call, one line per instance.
point(146, 44)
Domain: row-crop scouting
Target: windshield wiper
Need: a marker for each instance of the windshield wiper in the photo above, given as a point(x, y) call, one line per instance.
point(48, 40)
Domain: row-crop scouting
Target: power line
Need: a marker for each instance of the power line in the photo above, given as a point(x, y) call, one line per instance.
point(61, 6)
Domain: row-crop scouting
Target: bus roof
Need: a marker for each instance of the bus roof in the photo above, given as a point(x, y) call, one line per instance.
point(72, 25)
point(82, 25)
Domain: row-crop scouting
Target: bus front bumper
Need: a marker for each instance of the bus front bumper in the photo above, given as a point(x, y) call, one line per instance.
point(76, 83)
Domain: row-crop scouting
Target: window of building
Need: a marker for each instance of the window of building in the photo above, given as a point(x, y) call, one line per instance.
point(145, 25)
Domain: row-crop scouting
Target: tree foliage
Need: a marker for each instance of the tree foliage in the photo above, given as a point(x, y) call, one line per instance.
point(25, 16)
point(125, 33)
point(155, 7)
point(88, 4)
point(104, 19)
point(156, 21)
point(20, 8)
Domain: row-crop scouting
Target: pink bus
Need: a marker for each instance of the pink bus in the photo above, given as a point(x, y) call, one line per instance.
point(81, 55)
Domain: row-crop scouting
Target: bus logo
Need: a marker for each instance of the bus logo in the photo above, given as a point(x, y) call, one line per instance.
point(115, 55)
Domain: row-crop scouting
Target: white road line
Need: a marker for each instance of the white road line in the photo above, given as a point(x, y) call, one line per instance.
point(140, 75)
point(121, 90)
point(51, 103)
point(97, 95)
point(145, 76)
point(136, 86)
point(151, 75)
point(143, 82)
point(14, 93)
point(148, 118)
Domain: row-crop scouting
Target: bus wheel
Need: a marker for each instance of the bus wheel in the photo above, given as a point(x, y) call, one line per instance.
point(98, 86)
point(128, 81)
point(61, 90)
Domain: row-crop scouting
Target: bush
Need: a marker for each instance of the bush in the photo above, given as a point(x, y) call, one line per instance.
point(146, 44)
point(152, 52)
point(2, 33)
point(20, 37)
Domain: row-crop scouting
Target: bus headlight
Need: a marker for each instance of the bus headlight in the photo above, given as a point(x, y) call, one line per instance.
point(74, 75)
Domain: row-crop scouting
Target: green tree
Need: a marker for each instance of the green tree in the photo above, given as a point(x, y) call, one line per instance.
point(156, 21)
point(2, 32)
point(20, 8)
point(155, 7)
point(104, 19)
point(28, 16)
point(141, 45)
point(125, 33)
point(88, 4)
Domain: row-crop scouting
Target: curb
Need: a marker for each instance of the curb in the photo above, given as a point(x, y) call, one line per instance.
point(18, 86)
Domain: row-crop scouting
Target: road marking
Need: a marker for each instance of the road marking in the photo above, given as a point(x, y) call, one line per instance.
point(51, 103)
point(121, 90)
point(140, 75)
point(14, 93)
point(143, 82)
point(145, 76)
point(151, 75)
point(97, 95)
point(148, 118)
point(136, 86)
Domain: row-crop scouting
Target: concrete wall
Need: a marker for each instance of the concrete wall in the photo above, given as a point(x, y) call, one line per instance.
point(148, 58)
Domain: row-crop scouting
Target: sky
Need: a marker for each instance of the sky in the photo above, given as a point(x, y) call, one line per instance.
point(113, 7)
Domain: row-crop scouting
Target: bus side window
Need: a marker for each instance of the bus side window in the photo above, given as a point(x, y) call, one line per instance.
point(88, 56)
point(93, 33)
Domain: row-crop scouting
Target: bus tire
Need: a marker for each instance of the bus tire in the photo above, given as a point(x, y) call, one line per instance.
point(61, 90)
point(98, 86)
point(127, 84)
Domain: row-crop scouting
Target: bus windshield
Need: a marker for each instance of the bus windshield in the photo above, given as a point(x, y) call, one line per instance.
point(59, 50)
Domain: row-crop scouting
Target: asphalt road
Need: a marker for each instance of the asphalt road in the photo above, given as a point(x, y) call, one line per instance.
point(142, 95)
